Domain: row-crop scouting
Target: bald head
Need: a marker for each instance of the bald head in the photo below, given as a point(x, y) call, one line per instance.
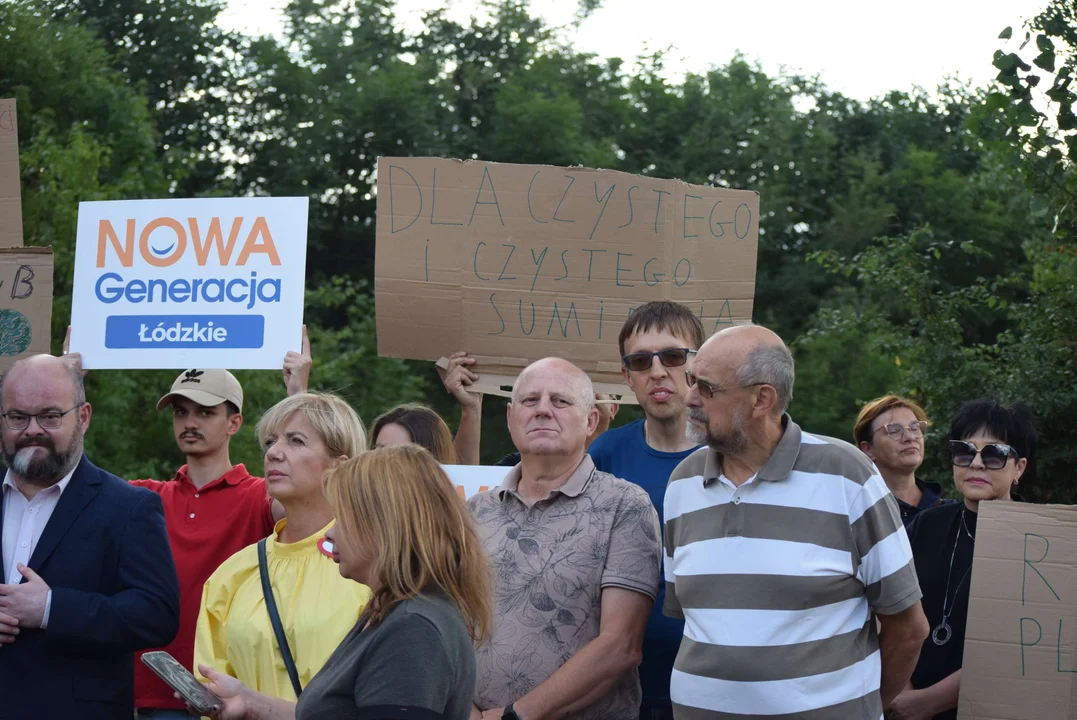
point(756, 355)
point(46, 370)
point(552, 413)
point(575, 380)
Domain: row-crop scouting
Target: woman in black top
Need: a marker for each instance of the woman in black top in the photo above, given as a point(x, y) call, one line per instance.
point(990, 448)
point(403, 531)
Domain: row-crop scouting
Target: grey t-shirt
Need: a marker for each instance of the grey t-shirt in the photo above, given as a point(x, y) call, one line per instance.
point(417, 663)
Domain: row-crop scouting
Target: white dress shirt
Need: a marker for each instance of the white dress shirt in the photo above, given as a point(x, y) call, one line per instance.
point(24, 521)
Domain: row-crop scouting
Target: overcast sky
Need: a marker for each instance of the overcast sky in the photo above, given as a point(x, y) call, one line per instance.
point(860, 47)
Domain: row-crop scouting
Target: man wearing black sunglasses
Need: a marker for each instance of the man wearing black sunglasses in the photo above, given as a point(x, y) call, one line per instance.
point(780, 547)
point(657, 344)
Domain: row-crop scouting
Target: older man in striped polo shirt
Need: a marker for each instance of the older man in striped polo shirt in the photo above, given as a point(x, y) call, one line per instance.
point(780, 547)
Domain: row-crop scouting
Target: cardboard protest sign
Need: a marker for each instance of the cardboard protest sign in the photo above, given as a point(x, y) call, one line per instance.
point(173, 284)
point(473, 479)
point(10, 196)
point(25, 303)
point(517, 262)
point(1020, 660)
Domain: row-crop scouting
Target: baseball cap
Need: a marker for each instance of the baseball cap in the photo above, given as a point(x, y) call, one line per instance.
point(205, 387)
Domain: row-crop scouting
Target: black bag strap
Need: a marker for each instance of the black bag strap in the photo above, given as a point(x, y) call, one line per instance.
point(274, 619)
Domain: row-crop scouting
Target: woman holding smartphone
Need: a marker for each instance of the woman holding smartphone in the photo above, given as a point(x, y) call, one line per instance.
point(403, 531)
point(304, 436)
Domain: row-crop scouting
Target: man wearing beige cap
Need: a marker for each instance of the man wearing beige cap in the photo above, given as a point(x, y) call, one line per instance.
point(213, 509)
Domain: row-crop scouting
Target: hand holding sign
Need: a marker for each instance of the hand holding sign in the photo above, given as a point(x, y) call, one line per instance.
point(457, 377)
point(297, 368)
point(74, 360)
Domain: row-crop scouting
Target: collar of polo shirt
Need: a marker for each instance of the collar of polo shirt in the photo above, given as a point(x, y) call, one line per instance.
point(576, 483)
point(778, 466)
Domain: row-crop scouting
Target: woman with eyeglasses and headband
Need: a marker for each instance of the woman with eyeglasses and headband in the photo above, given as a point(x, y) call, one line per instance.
point(990, 446)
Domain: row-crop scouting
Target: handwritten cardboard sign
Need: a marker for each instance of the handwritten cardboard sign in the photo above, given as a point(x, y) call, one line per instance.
point(173, 284)
point(518, 262)
point(1020, 660)
point(25, 303)
point(10, 196)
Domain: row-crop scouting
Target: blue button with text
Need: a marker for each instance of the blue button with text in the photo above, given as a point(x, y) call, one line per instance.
point(151, 332)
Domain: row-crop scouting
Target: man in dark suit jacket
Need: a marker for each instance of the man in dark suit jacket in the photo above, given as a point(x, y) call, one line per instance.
point(87, 576)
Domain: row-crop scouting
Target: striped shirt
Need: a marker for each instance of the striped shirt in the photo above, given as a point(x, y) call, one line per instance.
point(777, 580)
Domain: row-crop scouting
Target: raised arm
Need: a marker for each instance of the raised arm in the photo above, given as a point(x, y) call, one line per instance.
point(297, 367)
point(457, 377)
point(73, 359)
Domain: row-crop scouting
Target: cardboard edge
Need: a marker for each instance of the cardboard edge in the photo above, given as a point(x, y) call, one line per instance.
point(501, 386)
point(575, 168)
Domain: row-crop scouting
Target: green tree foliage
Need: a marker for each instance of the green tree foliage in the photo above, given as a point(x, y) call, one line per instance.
point(184, 64)
point(989, 308)
point(934, 227)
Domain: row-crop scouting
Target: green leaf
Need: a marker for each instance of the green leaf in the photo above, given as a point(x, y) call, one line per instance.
point(1044, 43)
point(1004, 61)
point(1006, 34)
point(1066, 119)
point(996, 101)
point(1060, 92)
point(1046, 60)
point(1071, 146)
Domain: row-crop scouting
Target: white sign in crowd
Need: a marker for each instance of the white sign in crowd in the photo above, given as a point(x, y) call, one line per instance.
point(173, 284)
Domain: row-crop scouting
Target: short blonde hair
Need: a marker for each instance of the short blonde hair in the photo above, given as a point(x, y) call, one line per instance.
point(875, 408)
point(333, 418)
point(399, 501)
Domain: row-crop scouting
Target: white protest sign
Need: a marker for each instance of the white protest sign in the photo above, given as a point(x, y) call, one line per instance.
point(473, 479)
point(174, 284)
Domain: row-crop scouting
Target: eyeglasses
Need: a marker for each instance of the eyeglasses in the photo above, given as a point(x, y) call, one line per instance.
point(896, 430)
point(707, 390)
point(48, 420)
point(994, 455)
point(670, 357)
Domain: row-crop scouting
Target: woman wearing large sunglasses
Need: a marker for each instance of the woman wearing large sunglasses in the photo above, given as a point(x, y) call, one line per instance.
point(990, 448)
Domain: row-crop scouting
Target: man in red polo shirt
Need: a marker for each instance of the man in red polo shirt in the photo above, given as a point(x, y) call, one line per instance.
point(212, 508)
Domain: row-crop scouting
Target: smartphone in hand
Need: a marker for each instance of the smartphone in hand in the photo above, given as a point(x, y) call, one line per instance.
point(179, 679)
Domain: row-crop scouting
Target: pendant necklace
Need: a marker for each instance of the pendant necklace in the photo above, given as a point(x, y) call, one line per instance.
point(943, 632)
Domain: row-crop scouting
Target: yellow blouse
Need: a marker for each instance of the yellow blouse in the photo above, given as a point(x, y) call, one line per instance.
point(317, 609)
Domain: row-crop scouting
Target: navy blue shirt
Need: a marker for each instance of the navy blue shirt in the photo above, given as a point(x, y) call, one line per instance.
point(931, 497)
point(624, 453)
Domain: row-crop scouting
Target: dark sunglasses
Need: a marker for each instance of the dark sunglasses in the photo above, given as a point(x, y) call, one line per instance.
point(994, 455)
point(670, 357)
point(708, 391)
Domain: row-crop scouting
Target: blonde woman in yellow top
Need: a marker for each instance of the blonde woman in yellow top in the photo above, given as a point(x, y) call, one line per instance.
point(304, 436)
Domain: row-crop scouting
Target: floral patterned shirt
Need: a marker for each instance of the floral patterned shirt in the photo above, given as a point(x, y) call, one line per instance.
point(552, 559)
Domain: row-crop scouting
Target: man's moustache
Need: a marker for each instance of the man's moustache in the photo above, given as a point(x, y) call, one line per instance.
point(35, 443)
